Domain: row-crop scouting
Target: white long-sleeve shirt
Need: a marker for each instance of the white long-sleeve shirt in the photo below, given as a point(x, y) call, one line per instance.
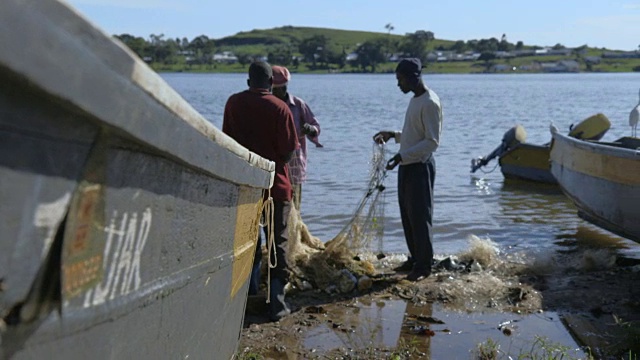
point(420, 135)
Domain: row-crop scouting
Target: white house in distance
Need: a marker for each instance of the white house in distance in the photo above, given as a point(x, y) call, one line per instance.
point(225, 57)
point(561, 66)
point(352, 57)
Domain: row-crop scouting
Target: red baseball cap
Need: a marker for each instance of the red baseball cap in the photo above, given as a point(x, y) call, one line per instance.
point(281, 76)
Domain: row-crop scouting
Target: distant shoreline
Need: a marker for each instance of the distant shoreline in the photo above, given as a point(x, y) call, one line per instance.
point(316, 72)
point(560, 65)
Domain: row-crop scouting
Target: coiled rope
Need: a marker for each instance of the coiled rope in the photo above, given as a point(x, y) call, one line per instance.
point(268, 217)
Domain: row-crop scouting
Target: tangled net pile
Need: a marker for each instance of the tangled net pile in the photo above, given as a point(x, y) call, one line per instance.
point(333, 266)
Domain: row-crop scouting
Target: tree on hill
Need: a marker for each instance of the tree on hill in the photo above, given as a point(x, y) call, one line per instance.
point(459, 46)
point(163, 49)
point(280, 55)
point(184, 43)
point(203, 48)
point(487, 45)
point(313, 47)
point(487, 57)
point(415, 44)
point(505, 45)
point(137, 44)
point(371, 53)
point(244, 58)
point(391, 45)
point(336, 57)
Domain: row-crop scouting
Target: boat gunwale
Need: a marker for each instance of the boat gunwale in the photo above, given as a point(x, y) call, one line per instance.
point(601, 147)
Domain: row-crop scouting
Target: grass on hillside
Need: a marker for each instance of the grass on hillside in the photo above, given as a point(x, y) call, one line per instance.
point(258, 41)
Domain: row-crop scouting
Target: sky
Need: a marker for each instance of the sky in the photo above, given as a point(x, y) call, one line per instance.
point(597, 23)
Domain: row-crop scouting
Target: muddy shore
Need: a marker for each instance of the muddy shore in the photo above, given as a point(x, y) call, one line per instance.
point(592, 296)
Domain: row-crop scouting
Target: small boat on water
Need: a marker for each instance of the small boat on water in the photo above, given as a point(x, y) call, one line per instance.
point(602, 179)
point(521, 160)
point(128, 222)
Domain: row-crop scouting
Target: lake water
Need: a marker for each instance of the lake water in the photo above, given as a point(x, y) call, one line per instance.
point(478, 109)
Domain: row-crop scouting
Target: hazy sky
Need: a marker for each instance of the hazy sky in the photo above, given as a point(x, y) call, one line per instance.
point(601, 23)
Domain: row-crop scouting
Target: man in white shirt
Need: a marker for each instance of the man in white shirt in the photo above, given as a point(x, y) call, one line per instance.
point(418, 140)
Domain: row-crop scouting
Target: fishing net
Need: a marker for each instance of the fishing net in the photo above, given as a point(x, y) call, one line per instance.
point(334, 265)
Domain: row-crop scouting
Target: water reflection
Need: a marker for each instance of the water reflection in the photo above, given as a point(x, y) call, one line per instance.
point(546, 209)
point(533, 203)
point(589, 236)
point(429, 331)
point(362, 325)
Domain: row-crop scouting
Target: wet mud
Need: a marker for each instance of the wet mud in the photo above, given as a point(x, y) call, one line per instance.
point(580, 304)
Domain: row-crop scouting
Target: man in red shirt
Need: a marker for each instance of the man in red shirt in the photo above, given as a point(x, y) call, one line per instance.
point(262, 123)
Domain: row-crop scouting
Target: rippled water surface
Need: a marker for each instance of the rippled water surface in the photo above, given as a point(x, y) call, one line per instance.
point(478, 109)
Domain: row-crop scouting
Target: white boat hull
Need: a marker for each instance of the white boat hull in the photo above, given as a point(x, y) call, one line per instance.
point(603, 181)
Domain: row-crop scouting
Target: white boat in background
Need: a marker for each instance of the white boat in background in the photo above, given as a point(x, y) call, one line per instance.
point(128, 222)
point(602, 179)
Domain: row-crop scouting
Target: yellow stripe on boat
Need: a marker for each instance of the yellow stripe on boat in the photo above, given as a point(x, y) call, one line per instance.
point(246, 235)
point(600, 165)
point(527, 155)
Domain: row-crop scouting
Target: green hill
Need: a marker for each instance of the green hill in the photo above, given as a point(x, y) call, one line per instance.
point(311, 49)
point(259, 41)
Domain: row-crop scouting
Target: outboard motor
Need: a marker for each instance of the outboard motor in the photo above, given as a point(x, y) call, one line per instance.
point(591, 128)
point(512, 138)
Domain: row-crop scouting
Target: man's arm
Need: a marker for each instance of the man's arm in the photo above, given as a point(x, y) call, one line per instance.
point(309, 118)
point(310, 125)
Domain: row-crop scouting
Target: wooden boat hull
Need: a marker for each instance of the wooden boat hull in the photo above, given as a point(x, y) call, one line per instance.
point(127, 221)
point(527, 162)
point(602, 179)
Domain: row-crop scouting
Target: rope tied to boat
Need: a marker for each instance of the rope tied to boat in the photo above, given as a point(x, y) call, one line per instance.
point(490, 171)
point(267, 216)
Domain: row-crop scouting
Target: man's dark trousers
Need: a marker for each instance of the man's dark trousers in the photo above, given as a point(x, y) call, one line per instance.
point(415, 196)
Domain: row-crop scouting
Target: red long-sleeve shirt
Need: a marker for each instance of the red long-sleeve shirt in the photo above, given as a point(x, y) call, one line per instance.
point(262, 123)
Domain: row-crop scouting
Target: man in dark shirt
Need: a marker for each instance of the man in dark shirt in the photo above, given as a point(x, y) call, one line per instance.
point(264, 124)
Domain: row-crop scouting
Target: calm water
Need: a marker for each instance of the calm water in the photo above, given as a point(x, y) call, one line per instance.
point(478, 109)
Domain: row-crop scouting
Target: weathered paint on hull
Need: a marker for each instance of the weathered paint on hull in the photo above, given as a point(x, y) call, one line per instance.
point(602, 180)
point(127, 221)
point(527, 162)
